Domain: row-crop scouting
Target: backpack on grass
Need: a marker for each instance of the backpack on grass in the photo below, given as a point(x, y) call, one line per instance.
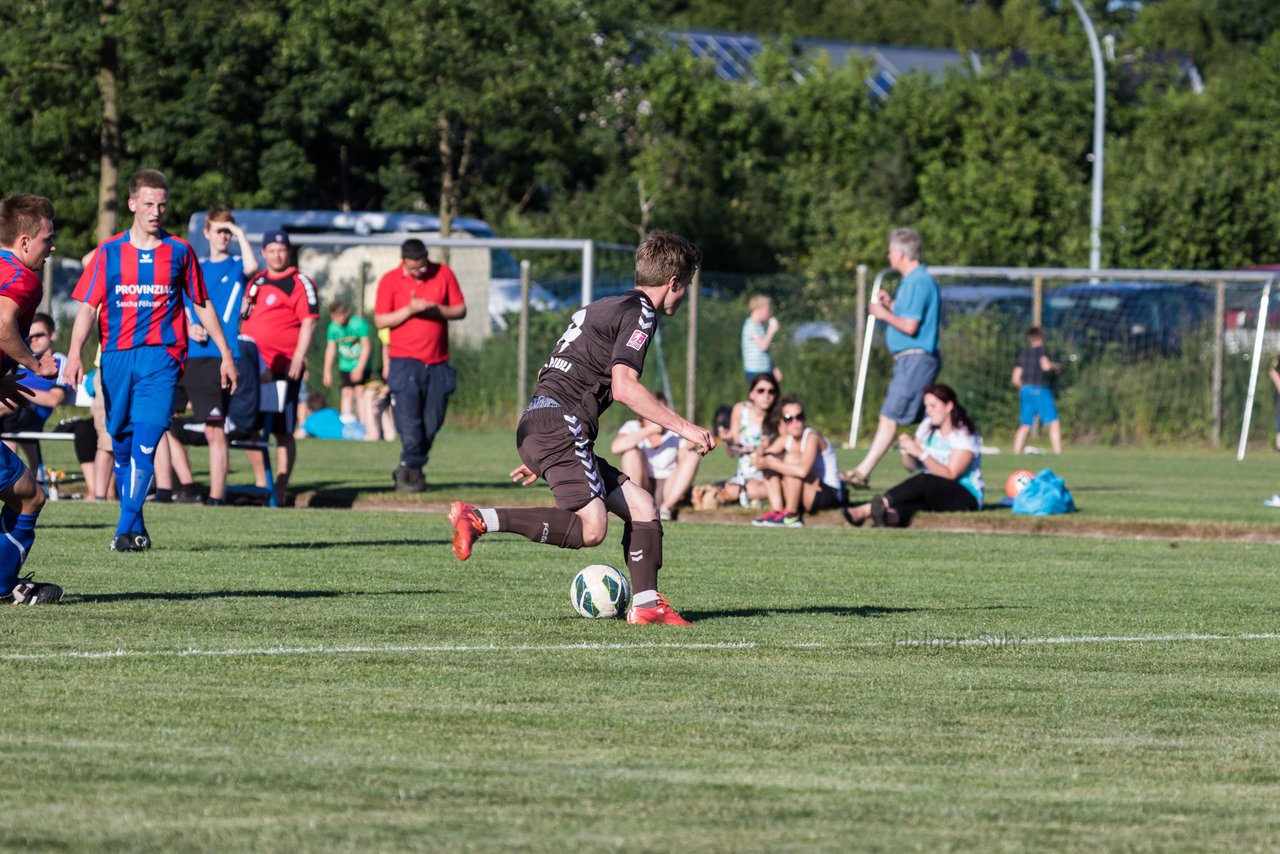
point(1045, 495)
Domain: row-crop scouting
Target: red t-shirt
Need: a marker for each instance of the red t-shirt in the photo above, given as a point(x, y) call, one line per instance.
point(278, 303)
point(423, 338)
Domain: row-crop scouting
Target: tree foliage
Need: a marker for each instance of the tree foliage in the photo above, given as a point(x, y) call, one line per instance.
point(553, 117)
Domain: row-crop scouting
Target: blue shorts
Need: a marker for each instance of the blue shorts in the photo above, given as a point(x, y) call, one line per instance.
point(11, 468)
point(912, 374)
point(137, 387)
point(1036, 401)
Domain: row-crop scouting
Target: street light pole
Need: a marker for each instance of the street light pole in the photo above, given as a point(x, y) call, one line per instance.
point(1099, 120)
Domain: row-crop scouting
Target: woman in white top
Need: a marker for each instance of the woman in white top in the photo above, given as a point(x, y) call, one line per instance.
point(947, 453)
point(801, 468)
point(657, 459)
point(749, 423)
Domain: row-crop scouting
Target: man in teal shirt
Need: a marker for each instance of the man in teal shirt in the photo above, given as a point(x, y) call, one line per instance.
point(911, 319)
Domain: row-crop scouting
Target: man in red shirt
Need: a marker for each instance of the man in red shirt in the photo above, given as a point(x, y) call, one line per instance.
point(281, 311)
point(416, 301)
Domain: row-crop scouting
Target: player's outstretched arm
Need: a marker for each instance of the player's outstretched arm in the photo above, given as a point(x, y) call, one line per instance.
point(12, 345)
point(631, 393)
point(73, 371)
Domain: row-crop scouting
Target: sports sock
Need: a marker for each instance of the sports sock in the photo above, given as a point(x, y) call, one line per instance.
point(138, 474)
point(642, 550)
point(549, 525)
point(490, 519)
point(12, 552)
point(645, 599)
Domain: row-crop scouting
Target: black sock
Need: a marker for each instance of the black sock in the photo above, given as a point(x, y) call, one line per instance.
point(549, 525)
point(642, 551)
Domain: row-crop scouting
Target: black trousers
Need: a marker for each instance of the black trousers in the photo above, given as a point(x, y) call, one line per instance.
point(929, 492)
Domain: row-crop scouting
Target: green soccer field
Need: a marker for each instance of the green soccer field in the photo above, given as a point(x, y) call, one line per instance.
point(332, 679)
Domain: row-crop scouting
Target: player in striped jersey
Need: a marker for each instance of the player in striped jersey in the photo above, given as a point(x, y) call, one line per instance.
point(26, 240)
point(137, 284)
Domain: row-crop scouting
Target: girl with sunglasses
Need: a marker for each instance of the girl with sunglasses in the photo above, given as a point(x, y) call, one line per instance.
point(801, 468)
point(749, 423)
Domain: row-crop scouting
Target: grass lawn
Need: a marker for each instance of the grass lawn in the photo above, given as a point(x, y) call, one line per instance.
point(332, 679)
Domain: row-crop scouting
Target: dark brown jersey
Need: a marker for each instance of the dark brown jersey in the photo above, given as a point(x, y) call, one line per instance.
point(579, 372)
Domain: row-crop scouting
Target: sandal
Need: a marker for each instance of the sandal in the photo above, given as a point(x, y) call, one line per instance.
point(854, 480)
point(884, 516)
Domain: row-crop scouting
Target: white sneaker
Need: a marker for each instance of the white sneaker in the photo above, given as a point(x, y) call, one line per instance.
point(1273, 501)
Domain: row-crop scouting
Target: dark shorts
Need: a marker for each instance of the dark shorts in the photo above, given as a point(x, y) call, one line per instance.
point(22, 420)
point(281, 416)
point(345, 381)
point(912, 374)
point(201, 386)
point(556, 447)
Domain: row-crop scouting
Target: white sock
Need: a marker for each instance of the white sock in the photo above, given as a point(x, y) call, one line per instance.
point(490, 519)
point(645, 599)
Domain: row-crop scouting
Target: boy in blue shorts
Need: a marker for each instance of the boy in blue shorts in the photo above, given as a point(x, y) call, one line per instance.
point(137, 284)
point(26, 240)
point(1035, 398)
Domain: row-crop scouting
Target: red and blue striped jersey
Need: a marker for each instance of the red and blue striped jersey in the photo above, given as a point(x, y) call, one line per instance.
point(25, 288)
point(139, 293)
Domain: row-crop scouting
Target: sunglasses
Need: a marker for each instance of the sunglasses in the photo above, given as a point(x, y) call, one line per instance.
point(764, 389)
point(38, 335)
point(799, 416)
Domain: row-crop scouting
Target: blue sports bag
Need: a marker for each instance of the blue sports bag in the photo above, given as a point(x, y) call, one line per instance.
point(1045, 495)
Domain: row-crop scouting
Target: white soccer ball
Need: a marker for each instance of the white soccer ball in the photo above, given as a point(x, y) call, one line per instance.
point(600, 592)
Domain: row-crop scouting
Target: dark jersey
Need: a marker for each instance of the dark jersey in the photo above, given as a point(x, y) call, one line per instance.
point(1029, 361)
point(579, 372)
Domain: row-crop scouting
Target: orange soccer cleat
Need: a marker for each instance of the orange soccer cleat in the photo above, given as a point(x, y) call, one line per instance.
point(661, 612)
point(467, 528)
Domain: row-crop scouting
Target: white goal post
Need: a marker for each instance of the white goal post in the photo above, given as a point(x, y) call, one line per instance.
point(1251, 287)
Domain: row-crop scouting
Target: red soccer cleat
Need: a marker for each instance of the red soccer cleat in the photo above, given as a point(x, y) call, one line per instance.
point(659, 613)
point(467, 528)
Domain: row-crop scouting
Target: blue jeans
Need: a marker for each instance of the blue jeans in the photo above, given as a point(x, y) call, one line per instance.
point(419, 398)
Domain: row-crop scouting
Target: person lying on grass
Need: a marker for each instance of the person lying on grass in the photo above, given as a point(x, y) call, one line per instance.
point(946, 451)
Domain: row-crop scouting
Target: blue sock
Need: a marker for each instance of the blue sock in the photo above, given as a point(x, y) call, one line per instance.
point(15, 545)
point(138, 475)
point(120, 464)
point(8, 516)
point(24, 530)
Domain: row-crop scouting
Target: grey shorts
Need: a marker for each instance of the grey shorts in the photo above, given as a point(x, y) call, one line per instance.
point(912, 374)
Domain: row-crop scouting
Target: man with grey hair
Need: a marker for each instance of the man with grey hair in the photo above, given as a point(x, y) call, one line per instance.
point(912, 318)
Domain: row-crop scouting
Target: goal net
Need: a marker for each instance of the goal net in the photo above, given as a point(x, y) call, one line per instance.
point(1146, 356)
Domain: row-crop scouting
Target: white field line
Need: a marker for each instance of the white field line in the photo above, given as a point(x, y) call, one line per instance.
point(1004, 640)
point(350, 650)
point(1007, 640)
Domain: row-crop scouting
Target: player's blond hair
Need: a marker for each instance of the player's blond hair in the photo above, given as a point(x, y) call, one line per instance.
point(662, 255)
point(22, 214)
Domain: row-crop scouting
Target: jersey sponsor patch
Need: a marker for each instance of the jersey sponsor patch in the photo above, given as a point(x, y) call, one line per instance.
point(637, 340)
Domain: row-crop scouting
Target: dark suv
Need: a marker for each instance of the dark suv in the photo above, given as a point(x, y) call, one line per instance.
point(1137, 316)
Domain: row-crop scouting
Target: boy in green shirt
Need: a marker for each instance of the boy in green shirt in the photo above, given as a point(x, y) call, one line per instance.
point(349, 341)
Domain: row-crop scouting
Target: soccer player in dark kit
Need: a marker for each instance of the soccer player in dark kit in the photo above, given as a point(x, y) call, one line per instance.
point(598, 360)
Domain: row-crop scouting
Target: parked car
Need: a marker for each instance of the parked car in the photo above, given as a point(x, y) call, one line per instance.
point(1137, 316)
point(1010, 301)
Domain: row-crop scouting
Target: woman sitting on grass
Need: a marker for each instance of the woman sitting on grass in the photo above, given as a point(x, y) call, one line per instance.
point(946, 451)
point(801, 468)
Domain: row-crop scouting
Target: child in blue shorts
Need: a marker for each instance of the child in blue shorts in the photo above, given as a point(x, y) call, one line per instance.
point(1035, 398)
